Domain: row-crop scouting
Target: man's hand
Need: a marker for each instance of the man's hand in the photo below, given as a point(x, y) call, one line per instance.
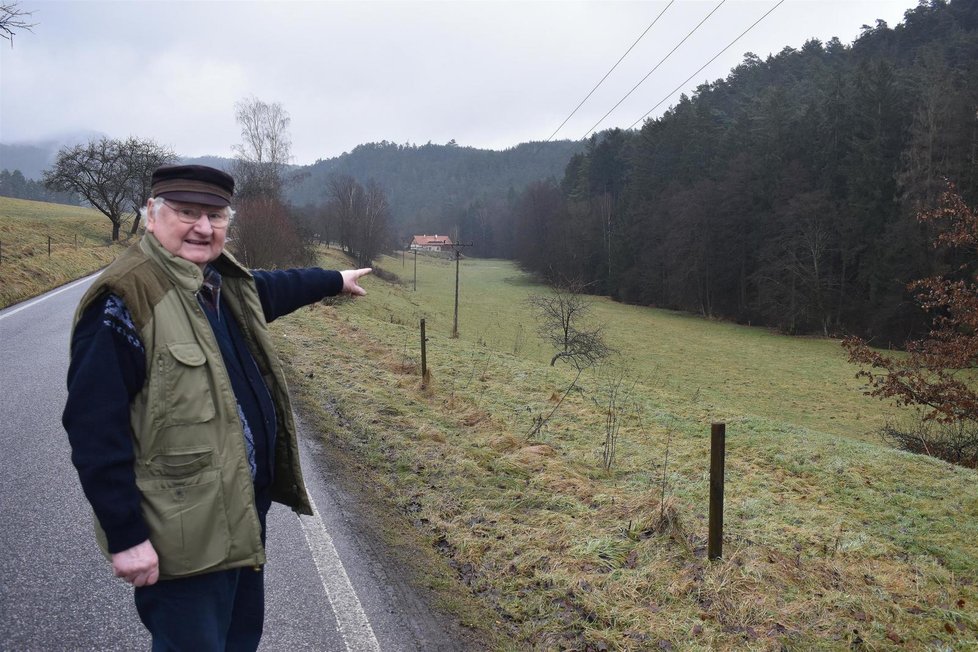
point(138, 565)
point(351, 278)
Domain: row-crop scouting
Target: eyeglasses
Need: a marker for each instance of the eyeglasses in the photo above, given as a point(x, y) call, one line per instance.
point(218, 217)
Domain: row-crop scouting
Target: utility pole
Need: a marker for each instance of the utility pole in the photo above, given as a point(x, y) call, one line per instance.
point(458, 255)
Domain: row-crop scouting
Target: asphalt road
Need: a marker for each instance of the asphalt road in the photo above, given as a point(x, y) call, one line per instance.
point(329, 585)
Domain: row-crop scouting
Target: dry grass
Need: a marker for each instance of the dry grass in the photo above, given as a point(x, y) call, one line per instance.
point(80, 243)
point(832, 541)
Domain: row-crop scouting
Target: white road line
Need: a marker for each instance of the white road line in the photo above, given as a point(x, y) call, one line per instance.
point(358, 635)
point(47, 296)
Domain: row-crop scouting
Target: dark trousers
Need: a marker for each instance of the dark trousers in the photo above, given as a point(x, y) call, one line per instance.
point(215, 612)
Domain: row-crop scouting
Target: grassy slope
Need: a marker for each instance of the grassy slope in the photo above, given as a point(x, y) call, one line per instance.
point(832, 539)
point(26, 270)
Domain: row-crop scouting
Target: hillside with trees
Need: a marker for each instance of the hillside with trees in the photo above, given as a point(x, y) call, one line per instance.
point(14, 184)
point(785, 194)
point(441, 188)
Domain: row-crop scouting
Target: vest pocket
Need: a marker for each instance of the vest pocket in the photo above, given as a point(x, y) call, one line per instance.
point(187, 391)
point(187, 521)
point(179, 463)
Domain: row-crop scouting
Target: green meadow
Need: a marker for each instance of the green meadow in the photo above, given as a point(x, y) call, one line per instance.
point(833, 540)
point(80, 243)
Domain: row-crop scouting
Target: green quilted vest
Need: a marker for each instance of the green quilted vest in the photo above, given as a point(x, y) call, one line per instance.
point(190, 457)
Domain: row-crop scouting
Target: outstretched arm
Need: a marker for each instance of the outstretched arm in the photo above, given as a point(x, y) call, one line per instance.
point(286, 290)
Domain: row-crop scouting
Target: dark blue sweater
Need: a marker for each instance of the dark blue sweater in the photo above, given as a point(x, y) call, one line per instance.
point(108, 369)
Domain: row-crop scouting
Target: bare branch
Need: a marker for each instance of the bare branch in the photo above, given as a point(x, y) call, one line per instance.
point(13, 17)
point(111, 175)
point(265, 150)
point(562, 316)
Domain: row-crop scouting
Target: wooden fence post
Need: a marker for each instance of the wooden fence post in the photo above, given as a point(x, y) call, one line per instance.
point(424, 356)
point(49, 246)
point(458, 256)
point(718, 437)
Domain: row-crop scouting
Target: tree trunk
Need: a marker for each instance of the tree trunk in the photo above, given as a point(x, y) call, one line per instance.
point(116, 225)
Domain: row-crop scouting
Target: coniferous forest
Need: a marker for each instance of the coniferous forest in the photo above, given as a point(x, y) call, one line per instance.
point(785, 194)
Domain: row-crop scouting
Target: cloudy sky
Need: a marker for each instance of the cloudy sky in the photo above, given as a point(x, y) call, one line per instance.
point(487, 74)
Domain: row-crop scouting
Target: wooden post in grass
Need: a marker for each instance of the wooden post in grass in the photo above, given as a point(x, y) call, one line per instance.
point(424, 355)
point(718, 435)
point(49, 246)
point(458, 257)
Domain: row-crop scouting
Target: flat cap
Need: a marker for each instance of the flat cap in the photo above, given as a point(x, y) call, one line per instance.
point(196, 184)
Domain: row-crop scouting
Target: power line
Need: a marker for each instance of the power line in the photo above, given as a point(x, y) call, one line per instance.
point(661, 61)
point(610, 71)
point(729, 45)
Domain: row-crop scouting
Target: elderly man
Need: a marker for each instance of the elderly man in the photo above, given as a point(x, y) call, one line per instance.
point(179, 417)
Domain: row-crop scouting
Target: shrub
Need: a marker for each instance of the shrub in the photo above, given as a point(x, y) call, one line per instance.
point(263, 236)
point(954, 441)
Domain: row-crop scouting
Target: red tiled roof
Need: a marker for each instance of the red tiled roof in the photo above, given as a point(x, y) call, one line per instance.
point(432, 240)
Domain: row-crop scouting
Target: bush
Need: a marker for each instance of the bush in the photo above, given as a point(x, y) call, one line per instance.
point(955, 442)
point(264, 236)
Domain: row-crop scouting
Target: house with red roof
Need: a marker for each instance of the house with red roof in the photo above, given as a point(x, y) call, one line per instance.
point(431, 243)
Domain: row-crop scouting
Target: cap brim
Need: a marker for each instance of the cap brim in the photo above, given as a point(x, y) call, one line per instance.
point(204, 198)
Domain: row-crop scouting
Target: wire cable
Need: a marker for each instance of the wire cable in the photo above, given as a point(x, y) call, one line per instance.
point(609, 72)
point(707, 63)
point(661, 61)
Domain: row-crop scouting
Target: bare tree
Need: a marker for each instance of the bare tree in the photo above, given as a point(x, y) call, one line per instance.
point(142, 157)
point(562, 314)
point(345, 203)
point(111, 175)
point(13, 17)
point(265, 150)
point(613, 400)
point(360, 217)
point(373, 226)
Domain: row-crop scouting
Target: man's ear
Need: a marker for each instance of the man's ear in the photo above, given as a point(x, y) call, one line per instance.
point(150, 216)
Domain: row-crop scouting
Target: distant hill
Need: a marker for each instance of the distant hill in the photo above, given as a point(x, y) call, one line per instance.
point(31, 160)
point(429, 186)
point(33, 157)
point(219, 162)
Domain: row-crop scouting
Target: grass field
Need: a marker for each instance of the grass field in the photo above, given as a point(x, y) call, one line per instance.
point(80, 243)
point(833, 540)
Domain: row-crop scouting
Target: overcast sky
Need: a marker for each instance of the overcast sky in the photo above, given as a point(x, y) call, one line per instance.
point(487, 74)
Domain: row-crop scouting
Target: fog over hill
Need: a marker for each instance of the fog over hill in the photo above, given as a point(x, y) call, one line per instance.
point(34, 156)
